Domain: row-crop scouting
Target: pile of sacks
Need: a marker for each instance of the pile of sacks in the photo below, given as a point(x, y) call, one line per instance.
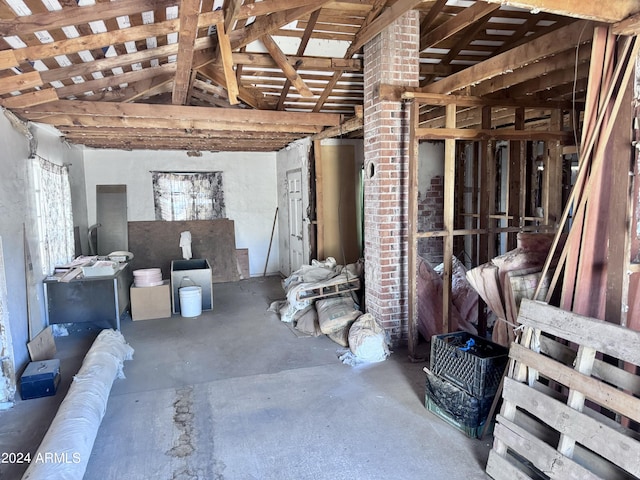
point(339, 317)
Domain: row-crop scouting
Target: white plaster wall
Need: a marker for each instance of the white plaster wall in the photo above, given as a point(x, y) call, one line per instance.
point(17, 216)
point(13, 214)
point(249, 184)
point(295, 156)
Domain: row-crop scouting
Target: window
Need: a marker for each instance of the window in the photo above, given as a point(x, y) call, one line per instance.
point(188, 196)
point(54, 213)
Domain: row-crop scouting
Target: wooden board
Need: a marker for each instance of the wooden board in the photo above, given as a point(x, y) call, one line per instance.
point(242, 255)
point(339, 203)
point(545, 426)
point(155, 244)
point(43, 346)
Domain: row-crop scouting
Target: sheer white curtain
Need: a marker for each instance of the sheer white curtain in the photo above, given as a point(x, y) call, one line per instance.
point(188, 196)
point(54, 213)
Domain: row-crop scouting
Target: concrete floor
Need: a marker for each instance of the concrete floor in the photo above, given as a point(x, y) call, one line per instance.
point(236, 394)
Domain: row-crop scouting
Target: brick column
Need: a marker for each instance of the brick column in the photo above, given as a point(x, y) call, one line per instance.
point(392, 57)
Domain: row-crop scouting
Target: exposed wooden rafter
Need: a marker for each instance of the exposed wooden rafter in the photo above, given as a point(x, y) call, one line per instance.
point(189, 10)
point(193, 53)
point(597, 10)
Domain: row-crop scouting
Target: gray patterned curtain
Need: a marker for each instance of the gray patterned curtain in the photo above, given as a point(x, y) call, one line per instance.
point(188, 196)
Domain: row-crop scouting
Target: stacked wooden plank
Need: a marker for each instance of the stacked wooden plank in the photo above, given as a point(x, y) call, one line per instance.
point(595, 256)
point(569, 420)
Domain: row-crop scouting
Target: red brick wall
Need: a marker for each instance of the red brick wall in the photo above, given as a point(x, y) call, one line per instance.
point(390, 58)
point(430, 217)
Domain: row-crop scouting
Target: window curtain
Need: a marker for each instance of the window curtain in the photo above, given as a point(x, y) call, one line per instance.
point(54, 212)
point(188, 196)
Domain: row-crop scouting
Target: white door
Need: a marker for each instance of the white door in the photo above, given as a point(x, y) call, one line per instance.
point(294, 195)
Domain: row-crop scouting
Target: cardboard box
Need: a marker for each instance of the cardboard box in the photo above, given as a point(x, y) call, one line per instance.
point(40, 379)
point(151, 302)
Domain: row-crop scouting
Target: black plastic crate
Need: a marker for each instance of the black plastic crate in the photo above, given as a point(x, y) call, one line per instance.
point(468, 361)
point(457, 407)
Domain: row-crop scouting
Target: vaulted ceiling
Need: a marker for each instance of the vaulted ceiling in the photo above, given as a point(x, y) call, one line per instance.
point(253, 76)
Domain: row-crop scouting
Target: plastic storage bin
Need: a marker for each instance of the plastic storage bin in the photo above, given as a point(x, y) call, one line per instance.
point(468, 361)
point(189, 273)
point(40, 379)
point(456, 406)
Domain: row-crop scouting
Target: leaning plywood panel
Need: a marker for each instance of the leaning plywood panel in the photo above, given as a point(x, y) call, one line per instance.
point(157, 243)
point(565, 411)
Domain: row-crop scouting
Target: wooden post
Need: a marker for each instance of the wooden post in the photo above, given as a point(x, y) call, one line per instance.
point(317, 150)
point(449, 191)
point(487, 192)
point(620, 158)
point(552, 175)
point(516, 193)
point(414, 114)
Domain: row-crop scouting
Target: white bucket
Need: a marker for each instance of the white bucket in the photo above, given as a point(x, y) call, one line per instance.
point(190, 301)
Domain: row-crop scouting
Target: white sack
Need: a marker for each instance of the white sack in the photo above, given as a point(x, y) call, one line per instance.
point(336, 313)
point(367, 339)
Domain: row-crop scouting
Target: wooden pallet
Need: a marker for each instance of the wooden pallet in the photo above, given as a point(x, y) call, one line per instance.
point(335, 286)
point(561, 425)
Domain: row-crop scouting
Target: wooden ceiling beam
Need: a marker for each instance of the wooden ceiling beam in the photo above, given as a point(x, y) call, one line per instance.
point(99, 40)
point(596, 10)
point(281, 59)
point(251, 97)
point(544, 46)
point(532, 70)
point(351, 125)
point(546, 82)
point(228, 145)
point(109, 63)
point(147, 87)
point(303, 62)
point(373, 24)
point(304, 41)
point(8, 59)
point(227, 64)
point(386, 18)
point(628, 26)
point(169, 112)
point(115, 81)
point(115, 132)
point(472, 117)
point(189, 10)
point(63, 120)
point(231, 12)
point(267, 7)
point(24, 81)
point(52, 20)
point(29, 99)
point(270, 23)
point(430, 17)
point(456, 24)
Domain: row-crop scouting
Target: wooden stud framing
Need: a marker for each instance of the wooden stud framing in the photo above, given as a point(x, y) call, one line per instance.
point(448, 217)
point(485, 228)
point(414, 116)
